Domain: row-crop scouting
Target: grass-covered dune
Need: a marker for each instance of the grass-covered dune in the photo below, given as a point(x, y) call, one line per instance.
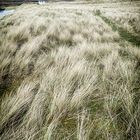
point(66, 74)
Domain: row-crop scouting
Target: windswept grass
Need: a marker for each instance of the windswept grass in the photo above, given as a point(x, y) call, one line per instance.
point(124, 34)
point(126, 16)
point(71, 76)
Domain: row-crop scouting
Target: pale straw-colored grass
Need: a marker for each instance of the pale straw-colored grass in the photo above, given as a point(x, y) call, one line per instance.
point(65, 74)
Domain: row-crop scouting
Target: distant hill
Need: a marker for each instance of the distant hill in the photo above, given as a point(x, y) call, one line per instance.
point(14, 2)
point(18, 2)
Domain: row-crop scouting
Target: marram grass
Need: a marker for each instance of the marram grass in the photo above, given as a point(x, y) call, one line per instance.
point(65, 74)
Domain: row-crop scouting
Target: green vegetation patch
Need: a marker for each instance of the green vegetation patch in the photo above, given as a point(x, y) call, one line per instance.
point(124, 34)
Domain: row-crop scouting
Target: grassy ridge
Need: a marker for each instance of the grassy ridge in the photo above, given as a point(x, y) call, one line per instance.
point(125, 35)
